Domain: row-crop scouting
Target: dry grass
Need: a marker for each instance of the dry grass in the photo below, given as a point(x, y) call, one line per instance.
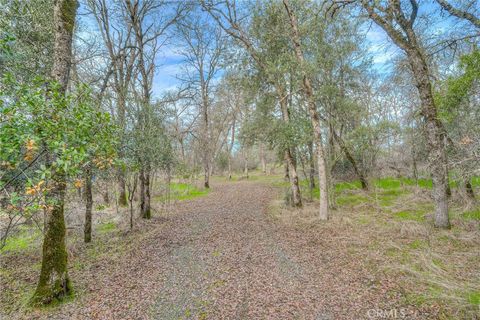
point(434, 268)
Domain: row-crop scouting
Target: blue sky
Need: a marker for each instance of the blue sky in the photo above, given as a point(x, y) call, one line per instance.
point(169, 60)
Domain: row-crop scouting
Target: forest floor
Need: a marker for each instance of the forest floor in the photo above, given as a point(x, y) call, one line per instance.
point(231, 254)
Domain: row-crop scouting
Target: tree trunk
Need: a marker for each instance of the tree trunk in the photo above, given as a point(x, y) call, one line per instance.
point(293, 177)
point(54, 282)
point(87, 231)
point(122, 197)
point(147, 214)
point(359, 173)
point(291, 168)
point(469, 189)
point(434, 132)
point(263, 158)
point(434, 136)
point(106, 197)
point(312, 166)
point(245, 170)
point(142, 191)
point(314, 117)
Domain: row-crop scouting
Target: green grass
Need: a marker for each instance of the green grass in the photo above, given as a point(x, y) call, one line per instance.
point(472, 214)
point(184, 191)
point(417, 244)
point(476, 182)
point(387, 183)
point(106, 227)
point(474, 298)
point(21, 241)
point(412, 215)
point(351, 199)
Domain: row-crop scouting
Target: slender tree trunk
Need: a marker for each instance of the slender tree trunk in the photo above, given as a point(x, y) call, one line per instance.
point(414, 164)
point(142, 192)
point(54, 282)
point(263, 158)
point(245, 170)
point(314, 117)
point(147, 213)
point(122, 197)
point(469, 189)
point(289, 159)
point(230, 149)
point(359, 173)
point(312, 165)
point(106, 196)
point(293, 177)
point(87, 231)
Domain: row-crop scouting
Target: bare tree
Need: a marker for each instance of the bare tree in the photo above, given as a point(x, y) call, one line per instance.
point(148, 32)
point(117, 36)
point(462, 14)
point(203, 46)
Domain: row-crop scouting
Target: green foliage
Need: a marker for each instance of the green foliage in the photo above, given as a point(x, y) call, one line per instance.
point(45, 134)
point(457, 88)
point(106, 227)
point(21, 241)
point(472, 214)
point(410, 215)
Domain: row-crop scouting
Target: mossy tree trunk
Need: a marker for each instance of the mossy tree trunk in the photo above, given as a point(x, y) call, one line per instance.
point(54, 282)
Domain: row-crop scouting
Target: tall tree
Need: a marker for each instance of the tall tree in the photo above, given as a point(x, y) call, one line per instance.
point(398, 20)
point(54, 281)
point(226, 14)
point(312, 110)
point(203, 46)
point(118, 37)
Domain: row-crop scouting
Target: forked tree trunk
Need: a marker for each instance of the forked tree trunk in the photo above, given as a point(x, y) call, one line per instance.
point(87, 231)
point(54, 282)
point(293, 178)
point(291, 167)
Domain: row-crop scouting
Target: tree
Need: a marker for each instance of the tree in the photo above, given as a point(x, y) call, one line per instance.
point(312, 109)
point(54, 281)
point(117, 36)
point(398, 23)
point(203, 46)
point(265, 49)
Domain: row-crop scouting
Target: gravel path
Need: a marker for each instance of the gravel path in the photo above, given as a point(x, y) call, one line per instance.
point(223, 257)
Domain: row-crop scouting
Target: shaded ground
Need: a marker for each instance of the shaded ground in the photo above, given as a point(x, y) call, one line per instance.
point(223, 257)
